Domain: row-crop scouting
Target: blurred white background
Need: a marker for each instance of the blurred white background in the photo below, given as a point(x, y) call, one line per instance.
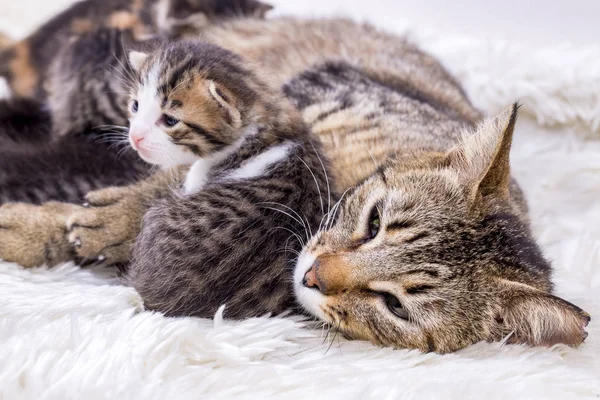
point(538, 22)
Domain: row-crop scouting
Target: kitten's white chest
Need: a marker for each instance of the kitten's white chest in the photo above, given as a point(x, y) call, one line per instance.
point(197, 176)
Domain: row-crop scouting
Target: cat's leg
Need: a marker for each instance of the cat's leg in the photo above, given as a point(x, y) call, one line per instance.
point(106, 229)
point(33, 235)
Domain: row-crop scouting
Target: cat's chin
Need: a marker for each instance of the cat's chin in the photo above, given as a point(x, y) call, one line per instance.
point(146, 156)
point(309, 298)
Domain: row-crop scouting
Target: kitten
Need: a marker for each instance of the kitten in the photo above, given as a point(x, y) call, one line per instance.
point(25, 62)
point(226, 236)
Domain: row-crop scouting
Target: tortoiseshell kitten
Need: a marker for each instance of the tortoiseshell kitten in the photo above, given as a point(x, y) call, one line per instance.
point(25, 62)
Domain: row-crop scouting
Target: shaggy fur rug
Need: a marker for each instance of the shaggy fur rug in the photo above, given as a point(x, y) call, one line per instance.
point(71, 333)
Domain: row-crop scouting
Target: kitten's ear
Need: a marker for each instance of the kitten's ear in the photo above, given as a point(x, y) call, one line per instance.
point(541, 319)
point(218, 93)
point(482, 160)
point(137, 59)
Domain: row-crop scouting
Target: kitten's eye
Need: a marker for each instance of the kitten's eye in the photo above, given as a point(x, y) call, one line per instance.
point(374, 224)
point(134, 106)
point(395, 306)
point(170, 121)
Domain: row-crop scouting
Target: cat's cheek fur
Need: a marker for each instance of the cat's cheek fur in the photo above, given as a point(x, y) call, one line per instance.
point(158, 149)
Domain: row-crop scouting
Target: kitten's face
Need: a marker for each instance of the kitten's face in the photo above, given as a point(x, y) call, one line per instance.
point(429, 254)
point(179, 112)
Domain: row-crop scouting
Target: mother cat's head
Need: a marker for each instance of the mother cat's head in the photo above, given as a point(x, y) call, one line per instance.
point(434, 252)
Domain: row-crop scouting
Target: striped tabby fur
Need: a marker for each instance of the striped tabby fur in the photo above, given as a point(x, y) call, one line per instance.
point(429, 247)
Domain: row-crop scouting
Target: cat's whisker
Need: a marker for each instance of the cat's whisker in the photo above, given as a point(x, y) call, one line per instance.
point(331, 219)
point(326, 178)
point(292, 217)
point(288, 230)
point(337, 330)
point(316, 184)
point(299, 219)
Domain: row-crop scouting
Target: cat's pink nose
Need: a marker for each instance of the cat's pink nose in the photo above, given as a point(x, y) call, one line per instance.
point(310, 278)
point(136, 139)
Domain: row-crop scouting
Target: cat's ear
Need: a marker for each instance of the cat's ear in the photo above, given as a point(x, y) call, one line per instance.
point(137, 59)
point(540, 319)
point(225, 101)
point(482, 159)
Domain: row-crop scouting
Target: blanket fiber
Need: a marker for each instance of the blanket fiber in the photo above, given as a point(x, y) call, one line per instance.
point(71, 333)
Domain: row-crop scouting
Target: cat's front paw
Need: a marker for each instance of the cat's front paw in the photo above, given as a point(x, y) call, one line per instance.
point(33, 235)
point(106, 228)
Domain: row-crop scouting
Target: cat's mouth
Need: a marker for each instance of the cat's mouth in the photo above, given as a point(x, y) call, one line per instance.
point(144, 153)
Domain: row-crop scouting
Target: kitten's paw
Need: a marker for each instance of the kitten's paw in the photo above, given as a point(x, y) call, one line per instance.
point(33, 235)
point(106, 229)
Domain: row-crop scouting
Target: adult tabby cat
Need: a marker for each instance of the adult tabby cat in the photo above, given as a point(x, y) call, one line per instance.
point(431, 247)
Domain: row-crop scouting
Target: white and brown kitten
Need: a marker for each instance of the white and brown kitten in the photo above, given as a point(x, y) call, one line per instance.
point(225, 237)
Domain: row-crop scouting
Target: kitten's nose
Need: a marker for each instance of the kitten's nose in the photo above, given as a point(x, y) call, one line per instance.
point(310, 278)
point(136, 139)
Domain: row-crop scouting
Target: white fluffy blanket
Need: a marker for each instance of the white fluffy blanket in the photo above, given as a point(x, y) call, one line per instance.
point(68, 333)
